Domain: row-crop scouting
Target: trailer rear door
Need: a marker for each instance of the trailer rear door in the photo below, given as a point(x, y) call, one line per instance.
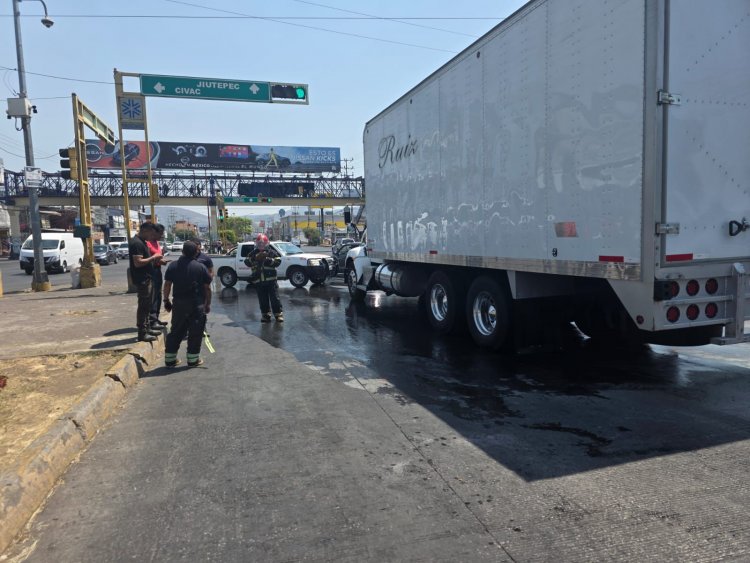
point(708, 129)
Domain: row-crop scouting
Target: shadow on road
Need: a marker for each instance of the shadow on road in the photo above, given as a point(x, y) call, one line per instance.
point(543, 415)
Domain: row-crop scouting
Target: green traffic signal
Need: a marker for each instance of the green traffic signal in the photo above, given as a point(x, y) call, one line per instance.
point(289, 92)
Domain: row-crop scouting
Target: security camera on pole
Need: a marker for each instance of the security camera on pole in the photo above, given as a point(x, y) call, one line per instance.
point(21, 108)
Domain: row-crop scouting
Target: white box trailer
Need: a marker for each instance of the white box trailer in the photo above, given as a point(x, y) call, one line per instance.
point(584, 160)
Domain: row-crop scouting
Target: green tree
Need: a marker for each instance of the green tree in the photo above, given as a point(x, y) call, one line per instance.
point(312, 235)
point(228, 236)
point(239, 226)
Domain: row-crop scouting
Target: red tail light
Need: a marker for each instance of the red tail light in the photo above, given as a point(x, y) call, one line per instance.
point(711, 310)
point(692, 312)
point(693, 287)
point(712, 286)
point(673, 314)
point(674, 289)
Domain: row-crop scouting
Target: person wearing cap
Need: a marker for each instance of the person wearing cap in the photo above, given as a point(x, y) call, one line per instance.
point(263, 260)
point(192, 302)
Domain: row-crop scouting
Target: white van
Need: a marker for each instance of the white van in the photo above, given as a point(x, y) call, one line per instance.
point(61, 251)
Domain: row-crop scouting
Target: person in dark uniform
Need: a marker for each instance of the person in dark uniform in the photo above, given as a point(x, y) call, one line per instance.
point(141, 271)
point(263, 260)
point(156, 278)
point(203, 258)
point(192, 302)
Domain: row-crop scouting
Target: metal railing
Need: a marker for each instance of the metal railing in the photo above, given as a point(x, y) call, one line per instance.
point(182, 185)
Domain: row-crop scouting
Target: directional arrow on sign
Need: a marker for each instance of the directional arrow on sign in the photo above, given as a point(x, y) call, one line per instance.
point(254, 89)
point(159, 87)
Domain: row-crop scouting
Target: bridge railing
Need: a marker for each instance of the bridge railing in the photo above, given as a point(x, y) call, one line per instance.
point(107, 184)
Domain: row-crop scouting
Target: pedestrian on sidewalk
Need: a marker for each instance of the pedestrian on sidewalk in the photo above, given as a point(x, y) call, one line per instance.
point(202, 257)
point(264, 260)
point(141, 268)
point(157, 278)
point(192, 302)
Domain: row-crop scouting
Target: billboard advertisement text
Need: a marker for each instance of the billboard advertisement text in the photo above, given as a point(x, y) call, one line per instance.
point(214, 156)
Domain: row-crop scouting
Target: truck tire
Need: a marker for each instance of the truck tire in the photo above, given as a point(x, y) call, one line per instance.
point(28, 271)
point(227, 277)
point(444, 299)
point(350, 274)
point(297, 277)
point(488, 313)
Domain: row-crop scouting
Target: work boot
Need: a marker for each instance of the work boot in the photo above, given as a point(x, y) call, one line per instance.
point(280, 318)
point(196, 363)
point(146, 337)
point(153, 332)
point(173, 364)
point(266, 318)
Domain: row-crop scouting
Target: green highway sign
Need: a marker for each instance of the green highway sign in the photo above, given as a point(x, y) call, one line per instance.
point(205, 88)
point(247, 200)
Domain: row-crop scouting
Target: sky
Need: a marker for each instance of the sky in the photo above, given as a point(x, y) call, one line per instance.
point(355, 56)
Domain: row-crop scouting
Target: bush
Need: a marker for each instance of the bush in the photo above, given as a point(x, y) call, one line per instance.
point(312, 235)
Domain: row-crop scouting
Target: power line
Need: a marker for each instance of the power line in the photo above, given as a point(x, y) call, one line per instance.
point(249, 17)
point(59, 77)
point(397, 20)
point(314, 27)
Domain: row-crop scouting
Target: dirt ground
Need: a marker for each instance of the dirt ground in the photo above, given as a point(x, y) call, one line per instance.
point(36, 391)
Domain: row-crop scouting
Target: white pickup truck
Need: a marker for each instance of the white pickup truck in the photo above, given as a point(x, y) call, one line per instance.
point(297, 266)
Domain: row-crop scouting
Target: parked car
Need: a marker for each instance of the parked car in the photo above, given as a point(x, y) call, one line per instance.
point(176, 246)
point(296, 241)
point(122, 250)
point(105, 254)
point(339, 256)
point(339, 243)
point(60, 251)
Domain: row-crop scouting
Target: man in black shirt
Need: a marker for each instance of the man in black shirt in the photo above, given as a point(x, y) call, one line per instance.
point(192, 302)
point(141, 270)
point(203, 258)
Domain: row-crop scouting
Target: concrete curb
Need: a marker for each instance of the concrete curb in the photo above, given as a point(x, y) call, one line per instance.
point(26, 484)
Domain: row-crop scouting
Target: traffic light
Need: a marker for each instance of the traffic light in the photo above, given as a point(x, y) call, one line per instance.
point(69, 164)
point(221, 215)
point(289, 93)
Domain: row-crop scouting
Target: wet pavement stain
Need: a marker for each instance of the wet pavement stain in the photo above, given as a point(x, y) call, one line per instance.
point(605, 406)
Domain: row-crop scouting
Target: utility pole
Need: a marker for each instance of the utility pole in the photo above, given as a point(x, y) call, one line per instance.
point(40, 281)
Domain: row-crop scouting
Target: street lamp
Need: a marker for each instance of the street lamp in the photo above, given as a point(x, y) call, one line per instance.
point(40, 281)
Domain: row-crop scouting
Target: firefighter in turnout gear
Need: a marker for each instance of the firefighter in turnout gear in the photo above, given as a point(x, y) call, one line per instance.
point(263, 260)
point(192, 302)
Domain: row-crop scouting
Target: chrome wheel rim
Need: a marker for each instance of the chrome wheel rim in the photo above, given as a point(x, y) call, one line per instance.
point(484, 314)
point(298, 277)
point(439, 302)
point(226, 278)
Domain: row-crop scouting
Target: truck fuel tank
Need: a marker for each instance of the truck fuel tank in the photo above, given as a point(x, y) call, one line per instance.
point(403, 280)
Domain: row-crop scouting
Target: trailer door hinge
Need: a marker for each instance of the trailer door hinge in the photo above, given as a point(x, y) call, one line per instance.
point(667, 98)
point(667, 228)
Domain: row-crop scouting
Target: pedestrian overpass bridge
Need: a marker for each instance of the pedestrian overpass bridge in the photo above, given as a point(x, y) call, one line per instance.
point(105, 189)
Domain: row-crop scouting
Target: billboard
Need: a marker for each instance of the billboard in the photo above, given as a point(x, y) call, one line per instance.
point(213, 156)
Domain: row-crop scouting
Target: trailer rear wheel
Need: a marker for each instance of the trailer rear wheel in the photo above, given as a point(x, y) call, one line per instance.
point(445, 302)
point(488, 313)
